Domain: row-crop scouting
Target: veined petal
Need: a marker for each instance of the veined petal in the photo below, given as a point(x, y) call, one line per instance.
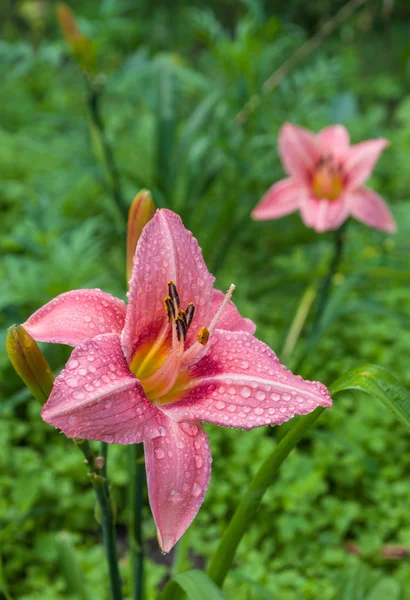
point(334, 140)
point(166, 251)
point(178, 469)
point(325, 215)
point(369, 207)
point(361, 160)
point(231, 319)
point(240, 383)
point(76, 316)
point(281, 199)
point(298, 149)
point(96, 397)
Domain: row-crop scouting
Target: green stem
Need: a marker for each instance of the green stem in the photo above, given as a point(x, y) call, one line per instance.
point(136, 505)
point(324, 296)
point(101, 488)
point(94, 98)
point(247, 508)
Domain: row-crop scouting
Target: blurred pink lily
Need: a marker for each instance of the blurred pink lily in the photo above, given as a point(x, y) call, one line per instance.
point(178, 354)
point(326, 177)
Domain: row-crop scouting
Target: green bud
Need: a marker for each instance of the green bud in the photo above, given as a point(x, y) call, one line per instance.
point(29, 362)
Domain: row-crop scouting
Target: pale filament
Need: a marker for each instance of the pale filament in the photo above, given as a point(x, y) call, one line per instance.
point(196, 348)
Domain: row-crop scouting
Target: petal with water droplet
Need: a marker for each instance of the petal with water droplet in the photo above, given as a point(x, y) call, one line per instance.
point(75, 316)
point(166, 251)
point(249, 386)
point(177, 482)
point(115, 411)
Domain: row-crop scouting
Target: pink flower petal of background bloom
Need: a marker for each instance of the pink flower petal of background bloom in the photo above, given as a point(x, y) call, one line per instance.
point(298, 150)
point(165, 251)
point(96, 397)
point(369, 207)
point(240, 383)
point(360, 161)
point(323, 215)
point(75, 316)
point(283, 198)
point(178, 469)
point(334, 140)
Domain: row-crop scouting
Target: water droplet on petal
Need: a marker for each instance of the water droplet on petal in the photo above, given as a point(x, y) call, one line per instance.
point(72, 364)
point(159, 453)
point(198, 461)
point(175, 496)
point(245, 392)
point(260, 395)
point(196, 490)
point(72, 382)
point(72, 420)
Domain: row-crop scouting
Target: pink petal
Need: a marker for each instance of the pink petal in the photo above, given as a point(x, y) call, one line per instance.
point(231, 319)
point(325, 215)
point(298, 149)
point(280, 199)
point(361, 160)
point(165, 251)
point(98, 398)
point(240, 383)
point(334, 140)
point(369, 207)
point(76, 316)
point(178, 469)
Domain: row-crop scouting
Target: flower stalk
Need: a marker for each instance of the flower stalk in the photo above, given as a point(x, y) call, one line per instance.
point(136, 505)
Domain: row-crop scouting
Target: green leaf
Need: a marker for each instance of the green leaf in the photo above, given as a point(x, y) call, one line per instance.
point(378, 382)
point(196, 584)
point(386, 588)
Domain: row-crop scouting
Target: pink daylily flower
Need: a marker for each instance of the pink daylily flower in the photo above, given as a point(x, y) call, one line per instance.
point(178, 354)
point(326, 177)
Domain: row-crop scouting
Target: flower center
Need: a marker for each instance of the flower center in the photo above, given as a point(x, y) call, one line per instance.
point(328, 180)
point(161, 365)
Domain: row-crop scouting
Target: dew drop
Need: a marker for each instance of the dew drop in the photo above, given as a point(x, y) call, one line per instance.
point(196, 490)
point(245, 392)
point(175, 496)
point(260, 395)
point(72, 382)
point(72, 364)
point(198, 461)
point(72, 420)
point(159, 453)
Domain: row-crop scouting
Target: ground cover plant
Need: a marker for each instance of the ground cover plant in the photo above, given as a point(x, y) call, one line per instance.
point(175, 101)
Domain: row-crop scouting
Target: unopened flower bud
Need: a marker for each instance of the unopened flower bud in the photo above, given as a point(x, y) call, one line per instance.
point(29, 362)
point(141, 211)
point(81, 46)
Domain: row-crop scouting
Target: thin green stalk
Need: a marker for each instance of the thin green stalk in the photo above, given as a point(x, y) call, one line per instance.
point(298, 323)
point(249, 505)
point(101, 488)
point(94, 100)
point(136, 504)
point(324, 296)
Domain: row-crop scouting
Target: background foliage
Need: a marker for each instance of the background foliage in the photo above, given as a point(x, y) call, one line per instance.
point(172, 81)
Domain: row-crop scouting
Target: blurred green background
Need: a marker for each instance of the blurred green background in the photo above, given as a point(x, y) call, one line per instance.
point(171, 79)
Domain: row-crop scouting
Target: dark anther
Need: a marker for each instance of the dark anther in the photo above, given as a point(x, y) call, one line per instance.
point(170, 308)
point(173, 293)
point(190, 310)
point(181, 329)
point(182, 315)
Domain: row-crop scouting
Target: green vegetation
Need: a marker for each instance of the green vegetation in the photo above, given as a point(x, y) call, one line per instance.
point(170, 84)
